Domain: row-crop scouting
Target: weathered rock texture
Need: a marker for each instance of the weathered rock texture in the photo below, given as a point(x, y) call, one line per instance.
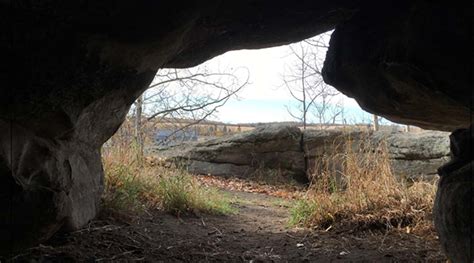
point(453, 211)
point(72, 68)
point(415, 155)
point(292, 152)
point(390, 58)
point(271, 147)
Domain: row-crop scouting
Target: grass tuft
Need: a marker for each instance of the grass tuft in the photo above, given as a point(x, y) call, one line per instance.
point(181, 193)
point(132, 186)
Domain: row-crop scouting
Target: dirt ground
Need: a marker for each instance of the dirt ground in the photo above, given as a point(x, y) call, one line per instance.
point(257, 232)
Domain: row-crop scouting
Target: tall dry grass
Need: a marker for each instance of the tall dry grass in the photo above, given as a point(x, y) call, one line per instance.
point(133, 185)
point(355, 186)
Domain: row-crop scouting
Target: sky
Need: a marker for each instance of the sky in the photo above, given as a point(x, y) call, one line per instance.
point(265, 98)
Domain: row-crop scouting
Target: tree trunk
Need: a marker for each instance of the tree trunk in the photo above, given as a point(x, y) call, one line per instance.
point(138, 123)
point(376, 122)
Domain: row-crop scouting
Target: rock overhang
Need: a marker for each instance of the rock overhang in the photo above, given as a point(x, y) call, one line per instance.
point(78, 66)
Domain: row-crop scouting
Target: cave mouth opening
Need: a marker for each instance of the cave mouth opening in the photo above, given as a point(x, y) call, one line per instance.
point(244, 179)
point(82, 66)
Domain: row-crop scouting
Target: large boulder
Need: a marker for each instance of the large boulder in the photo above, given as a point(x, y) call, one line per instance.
point(390, 58)
point(241, 155)
point(290, 151)
point(411, 155)
point(415, 155)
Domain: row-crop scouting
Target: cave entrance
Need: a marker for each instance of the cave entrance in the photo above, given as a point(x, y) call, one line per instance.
point(209, 168)
point(251, 156)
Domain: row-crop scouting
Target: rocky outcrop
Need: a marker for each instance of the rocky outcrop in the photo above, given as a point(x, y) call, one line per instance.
point(271, 147)
point(415, 155)
point(292, 152)
point(411, 155)
point(73, 68)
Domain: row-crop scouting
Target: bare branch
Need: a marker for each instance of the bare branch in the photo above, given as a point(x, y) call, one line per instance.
point(304, 82)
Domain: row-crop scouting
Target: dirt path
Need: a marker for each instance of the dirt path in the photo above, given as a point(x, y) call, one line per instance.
point(258, 232)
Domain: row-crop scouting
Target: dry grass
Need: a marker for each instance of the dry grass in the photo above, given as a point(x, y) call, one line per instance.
point(356, 187)
point(133, 186)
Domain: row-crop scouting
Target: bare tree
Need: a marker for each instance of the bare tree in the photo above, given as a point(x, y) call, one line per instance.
point(138, 123)
point(305, 84)
point(297, 84)
point(181, 98)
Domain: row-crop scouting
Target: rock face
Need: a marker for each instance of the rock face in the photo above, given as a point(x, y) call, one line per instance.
point(271, 147)
point(51, 173)
point(292, 152)
point(378, 57)
point(73, 68)
point(453, 211)
point(415, 155)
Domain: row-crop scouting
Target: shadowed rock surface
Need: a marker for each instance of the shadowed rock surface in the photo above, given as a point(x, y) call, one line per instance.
point(453, 210)
point(75, 67)
point(391, 59)
point(284, 148)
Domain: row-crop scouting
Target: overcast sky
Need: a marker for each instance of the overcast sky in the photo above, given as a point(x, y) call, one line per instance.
point(265, 98)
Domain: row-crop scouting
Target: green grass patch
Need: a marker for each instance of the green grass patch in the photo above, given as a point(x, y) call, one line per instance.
point(180, 193)
point(133, 187)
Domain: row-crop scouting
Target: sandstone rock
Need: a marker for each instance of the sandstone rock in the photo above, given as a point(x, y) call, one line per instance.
point(320, 143)
point(412, 155)
point(390, 58)
point(51, 174)
point(453, 213)
point(415, 155)
point(272, 147)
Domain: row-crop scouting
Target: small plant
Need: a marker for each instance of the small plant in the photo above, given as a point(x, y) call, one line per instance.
point(302, 212)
